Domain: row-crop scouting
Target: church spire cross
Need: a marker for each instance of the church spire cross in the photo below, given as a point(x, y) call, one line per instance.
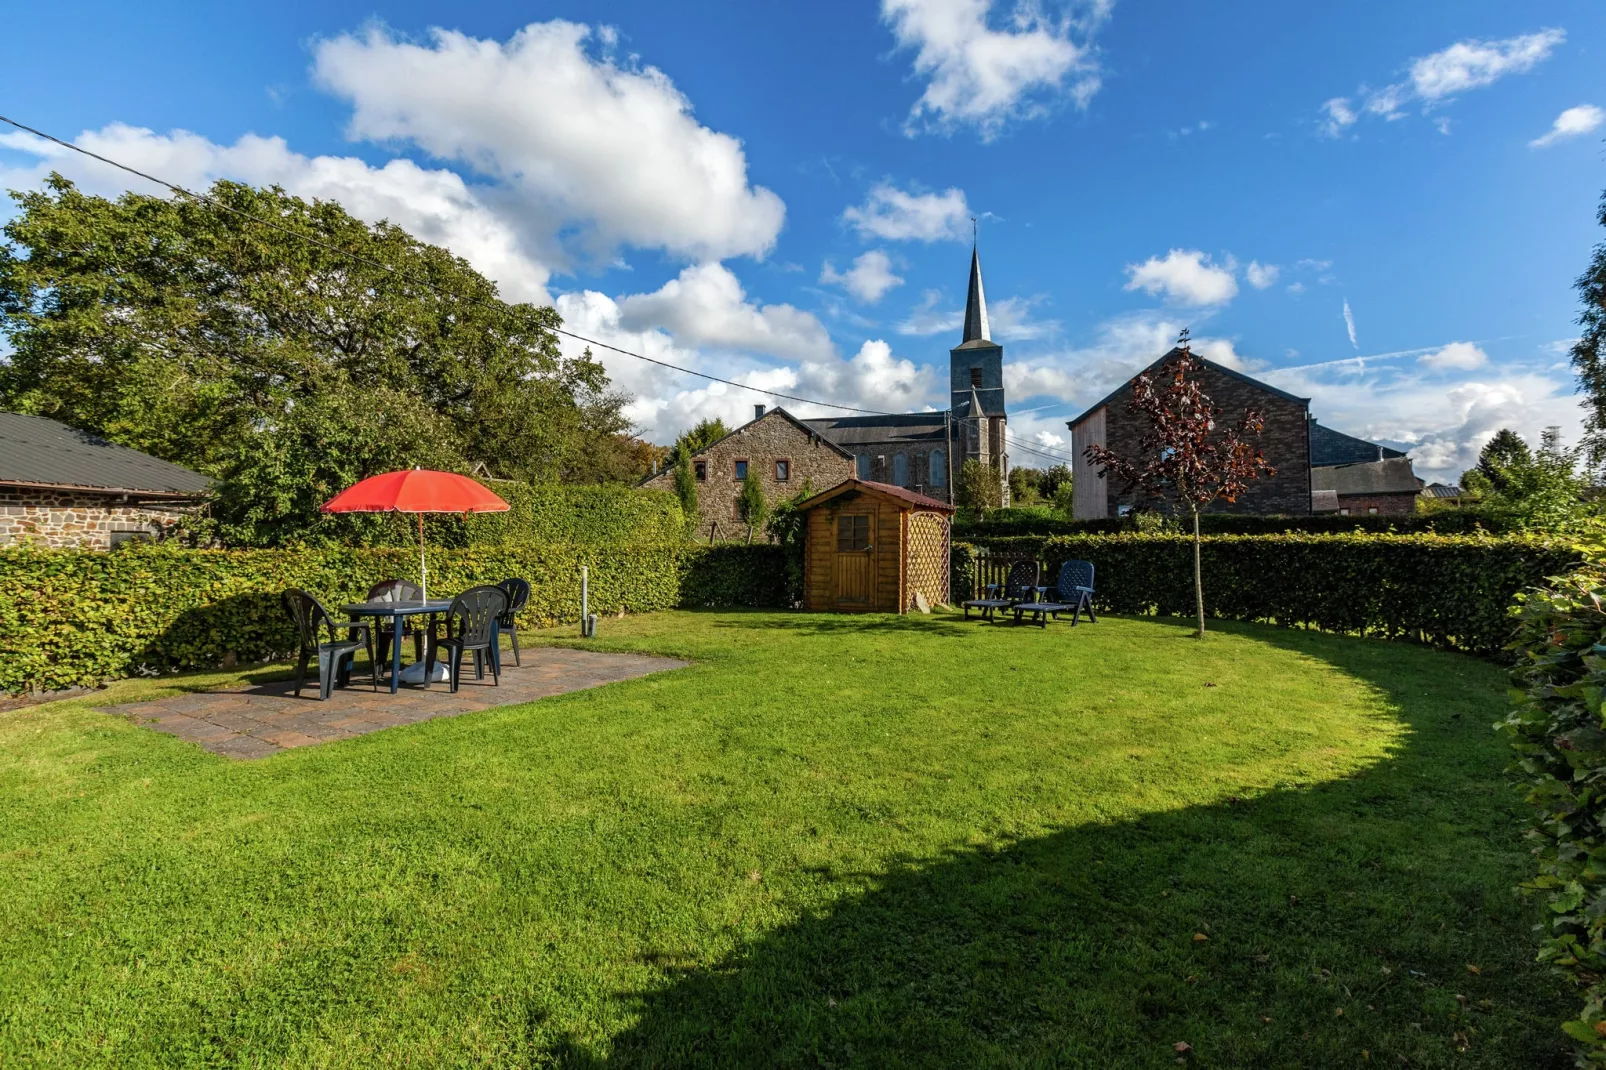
point(975, 304)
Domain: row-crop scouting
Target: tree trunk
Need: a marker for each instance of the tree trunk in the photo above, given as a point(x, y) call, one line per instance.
point(1198, 574)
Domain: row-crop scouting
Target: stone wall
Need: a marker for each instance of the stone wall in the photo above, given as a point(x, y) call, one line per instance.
point(79, 519)
point(882, 465)
point(1285, 442)
point(770, 438)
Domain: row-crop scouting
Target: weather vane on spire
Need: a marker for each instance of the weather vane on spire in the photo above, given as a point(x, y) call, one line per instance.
point(973, 230)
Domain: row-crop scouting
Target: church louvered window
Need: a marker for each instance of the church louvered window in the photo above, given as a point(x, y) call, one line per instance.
point(939, 469)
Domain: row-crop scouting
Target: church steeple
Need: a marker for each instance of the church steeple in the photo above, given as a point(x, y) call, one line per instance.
point(975, 304)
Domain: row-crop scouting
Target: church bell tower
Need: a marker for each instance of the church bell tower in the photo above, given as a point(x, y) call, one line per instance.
point(976, 368)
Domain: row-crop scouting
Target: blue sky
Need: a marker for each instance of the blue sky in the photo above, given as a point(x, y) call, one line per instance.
point(781, 194)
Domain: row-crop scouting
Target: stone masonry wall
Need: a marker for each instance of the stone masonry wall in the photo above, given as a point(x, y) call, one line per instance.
point(1285, 442)
point(82, 520)
point(760, 443)
point(883, 458)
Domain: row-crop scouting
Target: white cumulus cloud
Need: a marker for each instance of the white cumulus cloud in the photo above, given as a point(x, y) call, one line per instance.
point(1571, 123)
point(574, 137)
point(1457, 356)
point(1260, 275)
point(1441, 76)
point(705, 305)
point(869, 278)
point(982, 76)
point(897, 215)
point(1185, 277)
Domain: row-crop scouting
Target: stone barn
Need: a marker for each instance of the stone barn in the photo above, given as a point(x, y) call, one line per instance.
point(874, 547)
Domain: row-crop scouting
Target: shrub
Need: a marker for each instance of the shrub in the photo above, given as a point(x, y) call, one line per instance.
point(1005, 523)
point(1557, 732)
point(78, 617)
point(1451, 591)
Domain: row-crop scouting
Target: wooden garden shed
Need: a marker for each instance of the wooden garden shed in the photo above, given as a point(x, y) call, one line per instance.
point(871, 547)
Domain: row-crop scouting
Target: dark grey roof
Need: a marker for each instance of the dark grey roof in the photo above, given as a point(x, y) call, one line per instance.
point(1335, 447)
point(1442, 490)
point(1391, 476)
point(34, 450)
point(1222, 368)
point(850, 431)
point(975, 304)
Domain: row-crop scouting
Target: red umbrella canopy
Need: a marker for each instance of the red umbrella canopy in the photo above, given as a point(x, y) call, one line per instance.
point(417, 490)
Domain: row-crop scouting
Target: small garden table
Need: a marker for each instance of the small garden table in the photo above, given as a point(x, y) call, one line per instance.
point(397, 612)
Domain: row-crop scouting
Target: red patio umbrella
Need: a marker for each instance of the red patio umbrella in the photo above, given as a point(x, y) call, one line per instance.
point(416, 490)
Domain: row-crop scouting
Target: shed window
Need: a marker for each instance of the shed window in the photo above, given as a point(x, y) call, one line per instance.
point(863, 461)
point(700, 469)
point(939, 469)
point(900, 469)
point(783, 470)
point(852, 533)
point(741, 469)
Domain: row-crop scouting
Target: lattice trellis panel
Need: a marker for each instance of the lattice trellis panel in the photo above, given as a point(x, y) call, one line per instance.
point(928, 557)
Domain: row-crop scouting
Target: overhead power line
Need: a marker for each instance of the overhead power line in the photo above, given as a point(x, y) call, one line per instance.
point(448, 291)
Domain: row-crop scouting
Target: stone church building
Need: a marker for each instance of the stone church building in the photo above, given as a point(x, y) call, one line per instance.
point(920, 451)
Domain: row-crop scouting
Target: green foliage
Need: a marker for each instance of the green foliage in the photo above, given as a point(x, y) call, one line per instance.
point(978, 486)
point(285, 370)
point(1589, 352)
point(1023, 486)
point(1505, 450)
point(1450, 591)
point(686, 486)
point(1559, 735)
point(1538, 491)
point(787, 526)
point(699, 438)
point(753, 506)
point(78, 617)
point(564, 514)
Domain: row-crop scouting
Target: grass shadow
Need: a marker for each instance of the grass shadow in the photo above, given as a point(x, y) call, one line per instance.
point(1365, 921)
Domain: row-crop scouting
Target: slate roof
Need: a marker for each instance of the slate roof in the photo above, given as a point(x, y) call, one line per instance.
point(849, 431)
point(35, 451)
point(1442, 490)
point(1390, 476)
point(1212, 365)
point(1328, 447)
point(908, 497)
point(976, 329)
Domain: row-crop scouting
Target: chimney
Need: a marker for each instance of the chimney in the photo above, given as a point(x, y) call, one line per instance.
point(758, 412)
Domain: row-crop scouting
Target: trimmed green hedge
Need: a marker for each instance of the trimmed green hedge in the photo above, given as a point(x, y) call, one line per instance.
point(1007, 523)
point(77, 617)
point(1451, 591)
point(1559, 734)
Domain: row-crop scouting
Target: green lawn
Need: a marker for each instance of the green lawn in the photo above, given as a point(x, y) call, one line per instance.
point(833, 841)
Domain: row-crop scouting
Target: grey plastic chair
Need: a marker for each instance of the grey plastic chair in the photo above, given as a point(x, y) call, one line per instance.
point(518, 595)
point(335, 656)
point(1072, 593)
point(1018, 586)
point(398, 591)
point(470, 628)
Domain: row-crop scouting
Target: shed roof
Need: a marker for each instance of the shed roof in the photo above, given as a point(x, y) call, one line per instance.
point(1212, 365)
point(38, 452)
point(904, 497)
point(1390, 476)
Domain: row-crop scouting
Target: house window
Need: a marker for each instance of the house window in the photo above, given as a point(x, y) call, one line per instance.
point(852, 533)
point(939, 469)
point(863, 462)
point(700, 470)
point(1371, 510)
point(119, 538)
point(1123, 510)
point(975, 377)
point(741, 469)
point(783, 470)
point(900, 469)
point(1343, 512)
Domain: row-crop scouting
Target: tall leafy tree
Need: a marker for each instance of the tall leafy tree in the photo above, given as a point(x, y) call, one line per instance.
point(697, 439)
point(281, 367)
point(1503, 453)
point(1589, 353)
point(978, 486)
point(1184, 459)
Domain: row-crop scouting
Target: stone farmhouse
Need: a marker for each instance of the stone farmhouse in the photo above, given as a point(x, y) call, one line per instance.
point(1319, 470)
point(67, 488)
point(918, 451)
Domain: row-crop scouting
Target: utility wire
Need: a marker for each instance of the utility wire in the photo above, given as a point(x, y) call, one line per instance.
point(467, 298)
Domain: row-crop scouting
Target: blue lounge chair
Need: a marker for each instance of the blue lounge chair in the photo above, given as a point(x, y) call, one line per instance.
point(1072, 594)
point(1017, 586)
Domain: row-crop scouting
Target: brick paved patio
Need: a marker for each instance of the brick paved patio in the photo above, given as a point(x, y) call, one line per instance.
point(256, 722)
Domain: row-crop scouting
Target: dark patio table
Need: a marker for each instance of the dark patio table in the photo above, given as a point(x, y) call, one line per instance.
point(397, 612)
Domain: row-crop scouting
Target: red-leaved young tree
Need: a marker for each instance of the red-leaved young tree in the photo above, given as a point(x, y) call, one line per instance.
point(1184, 459)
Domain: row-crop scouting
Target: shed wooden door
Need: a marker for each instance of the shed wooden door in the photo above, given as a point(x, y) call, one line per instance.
point(854, 574)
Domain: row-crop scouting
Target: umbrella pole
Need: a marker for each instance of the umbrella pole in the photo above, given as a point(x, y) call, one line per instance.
point(423, 569)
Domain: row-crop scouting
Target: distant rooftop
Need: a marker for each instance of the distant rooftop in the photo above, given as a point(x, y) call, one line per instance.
point(1329, 447)
point(850, 431)
point(38, 452)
